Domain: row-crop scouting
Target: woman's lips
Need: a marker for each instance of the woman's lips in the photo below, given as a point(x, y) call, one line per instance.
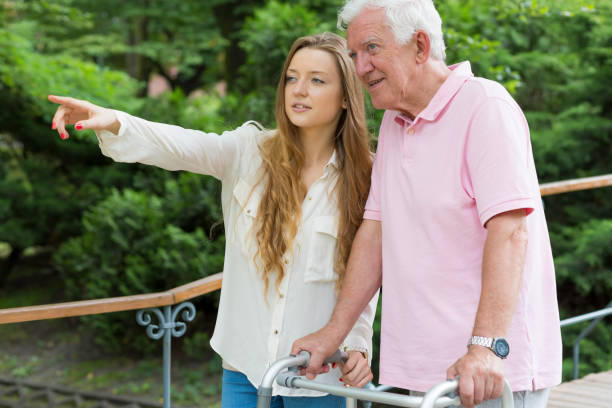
point(300, 107)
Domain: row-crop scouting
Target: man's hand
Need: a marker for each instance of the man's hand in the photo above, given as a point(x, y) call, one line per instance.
point(481, 376)
point(320, 344)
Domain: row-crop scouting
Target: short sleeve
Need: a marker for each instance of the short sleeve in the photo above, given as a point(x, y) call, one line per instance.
point(372, 207)
point(498, 158)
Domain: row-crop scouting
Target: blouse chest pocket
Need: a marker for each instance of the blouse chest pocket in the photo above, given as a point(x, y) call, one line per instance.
point(243, 230)
point(322, 249)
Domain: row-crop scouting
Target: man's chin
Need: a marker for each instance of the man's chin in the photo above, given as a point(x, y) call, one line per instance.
point(378, 104)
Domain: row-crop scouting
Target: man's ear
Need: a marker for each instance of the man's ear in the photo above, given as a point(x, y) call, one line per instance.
point(423, 44)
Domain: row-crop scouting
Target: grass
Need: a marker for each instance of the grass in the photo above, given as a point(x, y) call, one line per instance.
point(58, 352)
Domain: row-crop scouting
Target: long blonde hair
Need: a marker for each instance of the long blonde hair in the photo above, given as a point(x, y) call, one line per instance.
point(280, 209)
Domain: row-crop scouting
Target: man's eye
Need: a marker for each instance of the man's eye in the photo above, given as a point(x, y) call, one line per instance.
point(372, 47)
point(352, 55)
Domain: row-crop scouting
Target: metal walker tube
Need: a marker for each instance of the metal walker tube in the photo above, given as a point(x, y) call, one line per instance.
point(434, 398)
point(264, 392)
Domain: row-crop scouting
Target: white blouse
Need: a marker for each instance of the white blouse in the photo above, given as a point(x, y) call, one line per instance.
point(253, 331)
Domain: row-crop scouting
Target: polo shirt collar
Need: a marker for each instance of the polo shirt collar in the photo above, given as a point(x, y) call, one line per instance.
point(460, 73)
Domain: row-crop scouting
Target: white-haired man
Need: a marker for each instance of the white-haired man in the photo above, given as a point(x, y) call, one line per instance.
point(454, 228)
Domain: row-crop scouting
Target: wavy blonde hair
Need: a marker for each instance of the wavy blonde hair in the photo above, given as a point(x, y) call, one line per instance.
point(280, 209)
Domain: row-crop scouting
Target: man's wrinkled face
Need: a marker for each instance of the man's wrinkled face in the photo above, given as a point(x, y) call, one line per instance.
point(386, 68)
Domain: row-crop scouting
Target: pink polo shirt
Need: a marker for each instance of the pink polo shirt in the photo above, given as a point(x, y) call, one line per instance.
point(435, 183)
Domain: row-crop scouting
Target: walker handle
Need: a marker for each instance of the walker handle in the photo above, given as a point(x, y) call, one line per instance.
point(334, 358)
point(264, 392)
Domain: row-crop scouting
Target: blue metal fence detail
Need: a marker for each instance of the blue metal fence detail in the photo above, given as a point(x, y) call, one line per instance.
point(596, 316)
point(166, 328)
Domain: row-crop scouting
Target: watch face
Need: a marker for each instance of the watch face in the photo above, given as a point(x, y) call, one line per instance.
point(501, 348)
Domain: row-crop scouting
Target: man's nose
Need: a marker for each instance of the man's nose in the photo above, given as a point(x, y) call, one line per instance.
point(363, 65)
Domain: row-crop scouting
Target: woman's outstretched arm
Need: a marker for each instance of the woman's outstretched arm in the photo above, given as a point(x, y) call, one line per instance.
point(126, 138)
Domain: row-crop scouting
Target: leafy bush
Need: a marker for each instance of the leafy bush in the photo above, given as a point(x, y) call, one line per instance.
point(129, 247)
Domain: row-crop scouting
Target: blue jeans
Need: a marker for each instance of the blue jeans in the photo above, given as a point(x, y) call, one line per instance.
point(238, 392)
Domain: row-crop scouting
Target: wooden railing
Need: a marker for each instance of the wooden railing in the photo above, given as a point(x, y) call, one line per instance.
point(108, 305)
point(210, 283)
point(566, 186)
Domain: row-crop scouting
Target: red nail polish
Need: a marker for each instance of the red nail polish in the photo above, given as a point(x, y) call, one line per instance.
point(341, 379)
point(333, 365)
point(78, 126)
point(53, 125)
point(64, 136)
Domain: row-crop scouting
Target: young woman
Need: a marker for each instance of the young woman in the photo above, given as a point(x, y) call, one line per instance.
point(292, 201)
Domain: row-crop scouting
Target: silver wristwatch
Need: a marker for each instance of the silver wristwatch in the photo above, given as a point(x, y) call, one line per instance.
point(499, 346)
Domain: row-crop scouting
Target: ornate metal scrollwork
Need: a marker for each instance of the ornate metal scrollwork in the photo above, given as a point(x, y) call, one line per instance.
point(166, 320)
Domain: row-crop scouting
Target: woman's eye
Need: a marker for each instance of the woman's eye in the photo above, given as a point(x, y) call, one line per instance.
point(289, 79)
point(318, 81)
point(352, 55)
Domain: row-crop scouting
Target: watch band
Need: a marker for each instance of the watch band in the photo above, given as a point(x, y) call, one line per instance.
point(481, 341)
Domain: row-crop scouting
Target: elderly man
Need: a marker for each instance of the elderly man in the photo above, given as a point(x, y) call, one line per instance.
point(454, 228)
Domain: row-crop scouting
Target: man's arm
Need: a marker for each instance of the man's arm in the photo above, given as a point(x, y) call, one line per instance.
point(480, 371)
point(361, 281)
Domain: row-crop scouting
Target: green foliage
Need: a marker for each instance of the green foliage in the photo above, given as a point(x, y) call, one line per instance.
point(129, 246)
point(198, 111)
point(176, 38)
point(197, 347)
point(266, 39)
point(586, 263)
point(45, 184)
point(31, 76)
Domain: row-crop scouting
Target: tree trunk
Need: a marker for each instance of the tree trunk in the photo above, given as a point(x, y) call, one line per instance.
point(136, 64)
point(227, 16)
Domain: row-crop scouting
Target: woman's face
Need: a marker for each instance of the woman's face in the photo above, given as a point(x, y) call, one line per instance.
point(313, 91)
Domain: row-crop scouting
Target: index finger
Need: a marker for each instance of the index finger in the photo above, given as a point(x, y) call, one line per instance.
point(296, 347)
point(70, 102)
point(466, 390)
point(316, 362)
point(349, 364)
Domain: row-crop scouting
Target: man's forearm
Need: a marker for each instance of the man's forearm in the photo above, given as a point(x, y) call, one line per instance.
point(362, 278)
point(502, 271)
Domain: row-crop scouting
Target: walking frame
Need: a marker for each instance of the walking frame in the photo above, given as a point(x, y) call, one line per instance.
point(286, 373)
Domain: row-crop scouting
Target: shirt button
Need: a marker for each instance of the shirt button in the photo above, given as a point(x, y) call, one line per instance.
point(310, 198)
point(275, 331)
point(411, 132)
point(248, 211)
